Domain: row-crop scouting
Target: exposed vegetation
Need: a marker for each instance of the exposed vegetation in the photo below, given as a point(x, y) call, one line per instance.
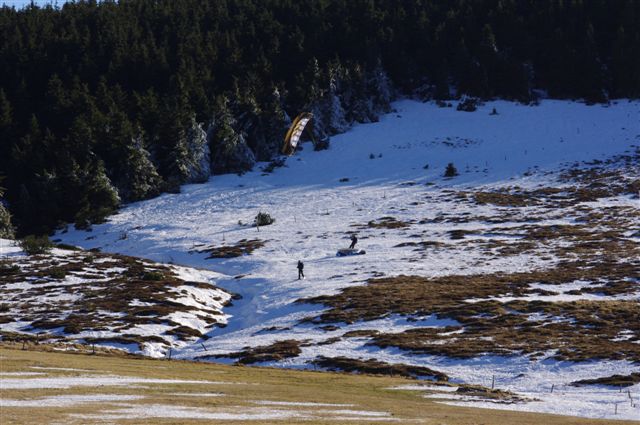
point(263, 219)
point(36, 245)
point(376, 367)
point(615, 380)
point(277, 351)
point(579, 330)
point(242, 247)
point(231, 390)
point(388, 223)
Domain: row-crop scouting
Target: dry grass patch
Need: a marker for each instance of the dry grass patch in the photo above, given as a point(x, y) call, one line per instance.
point(376, 367)
point(237, 389)
point(577, 330)
point(388, 223)
point(277, 351)
point(502, 199)
point(614, 380)
point(242, 247)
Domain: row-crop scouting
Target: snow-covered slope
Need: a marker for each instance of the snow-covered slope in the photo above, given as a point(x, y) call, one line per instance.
point(524, 202)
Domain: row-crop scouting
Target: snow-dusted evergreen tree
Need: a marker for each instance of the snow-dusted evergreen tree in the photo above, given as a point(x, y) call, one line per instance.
point(272, 126)
point(139, 179)
point(334, 119)
point(198, 159)
point(99, 198)
point(6, 229)
point(360, 107)
point(229, 150)
point(380, 89)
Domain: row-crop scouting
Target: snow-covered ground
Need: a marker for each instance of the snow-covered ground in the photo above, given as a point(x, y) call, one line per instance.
point(393, 168)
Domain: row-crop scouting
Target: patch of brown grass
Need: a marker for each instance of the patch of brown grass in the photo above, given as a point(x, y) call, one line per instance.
point(376, 367)
point(242, 247)
point(277, 351)
point(614, 380)
point(578, 330)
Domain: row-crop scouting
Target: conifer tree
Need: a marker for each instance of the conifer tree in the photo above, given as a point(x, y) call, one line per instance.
point(229, 150)
point(99, 197)
point(6, 228)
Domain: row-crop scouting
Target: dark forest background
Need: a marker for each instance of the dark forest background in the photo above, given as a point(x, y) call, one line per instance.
point(112, 102)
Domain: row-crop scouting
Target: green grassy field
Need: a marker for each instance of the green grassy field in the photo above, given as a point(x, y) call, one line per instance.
point(217, 394)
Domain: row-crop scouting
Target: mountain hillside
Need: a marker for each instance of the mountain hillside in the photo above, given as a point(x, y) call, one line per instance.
point(519, 273)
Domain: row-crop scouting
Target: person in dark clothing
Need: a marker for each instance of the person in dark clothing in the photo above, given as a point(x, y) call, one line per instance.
point(354, 241)
point(300, 270)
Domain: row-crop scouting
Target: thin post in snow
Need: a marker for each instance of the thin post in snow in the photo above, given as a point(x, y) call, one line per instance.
point(169, 353)
point(615, 412)
point(493, 381)
point(93, 348)
point(203, 347)
point(552, 387)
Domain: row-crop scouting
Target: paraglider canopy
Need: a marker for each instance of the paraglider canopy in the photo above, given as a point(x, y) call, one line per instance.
point(295, 131)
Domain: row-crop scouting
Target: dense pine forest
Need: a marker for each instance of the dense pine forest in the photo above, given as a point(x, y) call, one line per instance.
point(112, 102)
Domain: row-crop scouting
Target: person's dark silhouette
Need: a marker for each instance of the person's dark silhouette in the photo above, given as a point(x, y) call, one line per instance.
point(354, 241)
point(300, 270)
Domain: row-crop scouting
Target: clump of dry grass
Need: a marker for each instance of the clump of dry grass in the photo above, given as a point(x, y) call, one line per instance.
point(277, 351)
point(242, 247)
point(376, 367)
point(505, 199)
point(614, 380)
point(488, 393)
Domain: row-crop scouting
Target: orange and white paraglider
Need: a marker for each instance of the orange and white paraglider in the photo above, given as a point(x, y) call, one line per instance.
point(295, 132)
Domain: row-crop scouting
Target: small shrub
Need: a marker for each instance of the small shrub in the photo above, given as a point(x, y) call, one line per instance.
point(57, 273)
point(264, 219)
point(68, 247)
point(450, 171)
point(35, 245)
point(276, 163)
point(321, 145)
point(152, 275)
point(8, 269)
point(372, 156)
point(344, 180)
point(468, 104)
point(88, 259)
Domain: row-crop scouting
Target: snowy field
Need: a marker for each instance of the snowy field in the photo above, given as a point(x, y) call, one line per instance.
point(384, 181)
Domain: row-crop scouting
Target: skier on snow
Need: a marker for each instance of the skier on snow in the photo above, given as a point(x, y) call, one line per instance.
point(300, 270)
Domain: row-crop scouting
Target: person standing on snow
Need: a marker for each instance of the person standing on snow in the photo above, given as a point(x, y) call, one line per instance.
point(354, 241)
point(300, 270)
